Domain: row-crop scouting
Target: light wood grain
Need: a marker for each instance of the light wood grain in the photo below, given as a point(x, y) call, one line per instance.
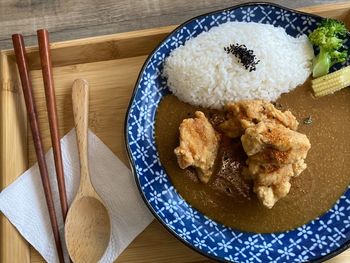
point(85, 18)
point(87, 227)
point(13, 154)
point(80, 102)
point(110, 66)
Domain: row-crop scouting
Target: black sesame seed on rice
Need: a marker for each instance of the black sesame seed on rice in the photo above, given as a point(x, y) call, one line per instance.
point(245, 56)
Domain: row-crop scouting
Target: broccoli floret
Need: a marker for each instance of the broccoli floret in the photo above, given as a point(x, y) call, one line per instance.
point(334, 27)
point(338, 56)
point(329, 37)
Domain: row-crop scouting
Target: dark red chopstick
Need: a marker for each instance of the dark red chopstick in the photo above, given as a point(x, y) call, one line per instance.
point(46, 67)
point(21, 58)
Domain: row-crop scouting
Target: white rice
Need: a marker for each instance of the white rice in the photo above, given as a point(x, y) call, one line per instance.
point(202, 73)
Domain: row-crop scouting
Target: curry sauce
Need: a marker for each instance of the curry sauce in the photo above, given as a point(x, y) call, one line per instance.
point(230, 200)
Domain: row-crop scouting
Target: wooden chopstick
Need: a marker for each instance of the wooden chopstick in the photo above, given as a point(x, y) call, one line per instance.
point(46, 67)
point(21, 58)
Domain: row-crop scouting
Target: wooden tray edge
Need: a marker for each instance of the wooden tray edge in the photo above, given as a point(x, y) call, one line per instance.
point(11, 101)
point(316, 9)
point(99, 39)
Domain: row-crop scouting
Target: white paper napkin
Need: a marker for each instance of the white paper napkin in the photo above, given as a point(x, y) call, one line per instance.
point(23, 202)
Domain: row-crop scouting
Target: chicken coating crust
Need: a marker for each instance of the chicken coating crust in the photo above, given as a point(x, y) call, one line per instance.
point(268, 142)
point(199, 144)
point(269, 195)
point(275, 155)
point(247, 113)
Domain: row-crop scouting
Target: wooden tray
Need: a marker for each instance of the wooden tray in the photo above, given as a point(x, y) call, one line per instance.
point(111, 65)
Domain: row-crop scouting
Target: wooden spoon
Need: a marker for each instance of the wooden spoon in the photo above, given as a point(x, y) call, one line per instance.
point(87, 228)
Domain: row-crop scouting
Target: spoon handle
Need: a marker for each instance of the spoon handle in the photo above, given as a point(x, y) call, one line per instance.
point(80, 99)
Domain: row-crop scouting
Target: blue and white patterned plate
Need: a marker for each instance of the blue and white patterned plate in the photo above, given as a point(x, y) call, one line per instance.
point(316, 241)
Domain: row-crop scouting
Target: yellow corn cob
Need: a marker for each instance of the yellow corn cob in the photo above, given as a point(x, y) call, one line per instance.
point(332, 82)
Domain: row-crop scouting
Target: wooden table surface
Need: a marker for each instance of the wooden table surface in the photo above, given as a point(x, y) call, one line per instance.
point(84, 18)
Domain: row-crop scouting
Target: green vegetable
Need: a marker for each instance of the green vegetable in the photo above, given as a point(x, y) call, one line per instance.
point(308, 120)
point(329, 37)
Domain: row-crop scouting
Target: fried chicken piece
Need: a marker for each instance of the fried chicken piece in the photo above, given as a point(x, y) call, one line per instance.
point(275, 155)
point(269, 195)
point(272, 184)
point(199, 144)
point(268, 174)
point(276, 152)
point(247, 113)
point(268, 142)
point(232, 126)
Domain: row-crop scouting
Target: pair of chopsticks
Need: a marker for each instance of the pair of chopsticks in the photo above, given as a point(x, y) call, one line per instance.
point(21, 58)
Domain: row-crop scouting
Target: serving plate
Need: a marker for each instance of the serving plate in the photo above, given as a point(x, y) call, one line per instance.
point(320, 239)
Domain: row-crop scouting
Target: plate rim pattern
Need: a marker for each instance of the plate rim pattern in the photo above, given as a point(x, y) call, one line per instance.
point(327, 256)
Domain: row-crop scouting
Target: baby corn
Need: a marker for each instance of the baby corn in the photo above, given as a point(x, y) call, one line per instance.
point(332, 82)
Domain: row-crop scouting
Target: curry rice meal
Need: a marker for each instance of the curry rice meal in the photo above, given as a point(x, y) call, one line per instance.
point(242, 137)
